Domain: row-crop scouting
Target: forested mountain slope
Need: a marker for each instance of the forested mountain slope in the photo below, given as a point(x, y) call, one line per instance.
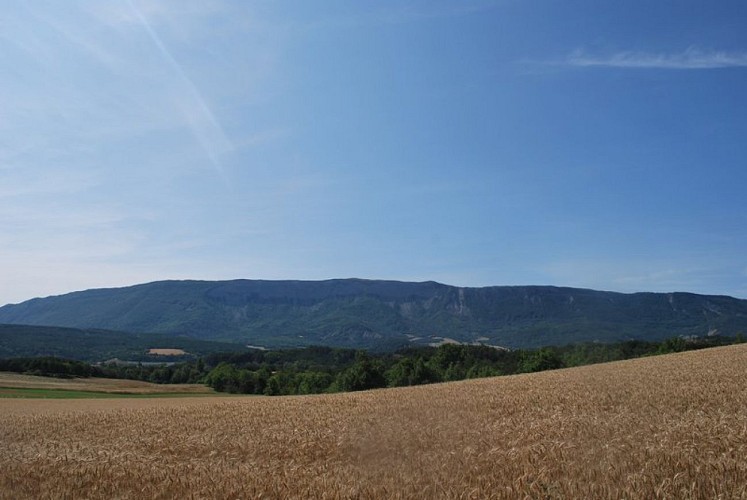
point(382, 314)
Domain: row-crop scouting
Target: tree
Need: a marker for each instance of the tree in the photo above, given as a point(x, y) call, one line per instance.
point(281, 383)
point(364, 374)
point(676, 344)
point(223, 378)
point(483, 370)
point(540, 360)
point(314, 382)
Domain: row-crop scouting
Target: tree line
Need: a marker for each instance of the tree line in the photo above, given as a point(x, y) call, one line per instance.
point(314, 370)
point(418, 365)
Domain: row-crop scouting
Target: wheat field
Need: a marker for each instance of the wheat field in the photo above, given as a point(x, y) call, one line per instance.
point(664, 427)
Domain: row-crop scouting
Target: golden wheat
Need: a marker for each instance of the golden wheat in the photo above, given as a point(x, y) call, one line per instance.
point(665, 427)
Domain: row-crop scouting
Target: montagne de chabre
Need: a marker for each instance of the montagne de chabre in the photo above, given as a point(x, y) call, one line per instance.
point(384, 314)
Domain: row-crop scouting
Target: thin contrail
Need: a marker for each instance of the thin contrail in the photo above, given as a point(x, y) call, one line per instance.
point(205, 126)
point(691, 59)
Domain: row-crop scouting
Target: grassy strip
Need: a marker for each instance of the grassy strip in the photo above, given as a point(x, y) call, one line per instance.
point(28, 393)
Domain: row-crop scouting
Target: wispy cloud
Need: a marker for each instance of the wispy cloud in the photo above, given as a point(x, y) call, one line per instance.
point(25, 183)
point(397, 13)
point(692, 58)
point(197, 112)
point(622, 274)
point(101, 74)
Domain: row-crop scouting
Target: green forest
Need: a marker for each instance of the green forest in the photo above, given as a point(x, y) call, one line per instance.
point(315, 370)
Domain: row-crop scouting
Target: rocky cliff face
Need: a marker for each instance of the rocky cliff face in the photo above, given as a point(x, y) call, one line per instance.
point(371, 313)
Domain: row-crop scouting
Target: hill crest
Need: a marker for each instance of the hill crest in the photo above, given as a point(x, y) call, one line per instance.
point(381, 314)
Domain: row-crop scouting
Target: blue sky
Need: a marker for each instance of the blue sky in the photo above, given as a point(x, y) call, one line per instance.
point(576, 143)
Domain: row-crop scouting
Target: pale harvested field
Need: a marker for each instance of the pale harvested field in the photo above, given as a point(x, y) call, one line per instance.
point(114, 386)
point(167, 352)
point(666, 427)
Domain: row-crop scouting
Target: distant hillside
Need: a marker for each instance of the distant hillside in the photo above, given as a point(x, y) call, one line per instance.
point(18, 341)
point(382, 314)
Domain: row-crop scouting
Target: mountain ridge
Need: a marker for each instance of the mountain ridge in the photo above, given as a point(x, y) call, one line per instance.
point(384, 313)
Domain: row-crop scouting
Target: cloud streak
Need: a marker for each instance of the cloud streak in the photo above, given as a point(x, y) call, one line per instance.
point(691, 59)
point(200, 117)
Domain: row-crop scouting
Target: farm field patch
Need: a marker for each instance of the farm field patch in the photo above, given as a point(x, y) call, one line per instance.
point(167, 352)
point(16, 383)
point(670, 426)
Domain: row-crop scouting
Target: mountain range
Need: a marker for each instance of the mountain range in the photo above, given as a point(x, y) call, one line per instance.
point(383, 314)
point(95, 345)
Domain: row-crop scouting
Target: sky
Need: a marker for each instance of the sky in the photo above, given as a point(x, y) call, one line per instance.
point(595, 144)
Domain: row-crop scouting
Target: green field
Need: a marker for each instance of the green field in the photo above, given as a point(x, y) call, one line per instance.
point(27, 393)
point(15, 392)
point(21, 386)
